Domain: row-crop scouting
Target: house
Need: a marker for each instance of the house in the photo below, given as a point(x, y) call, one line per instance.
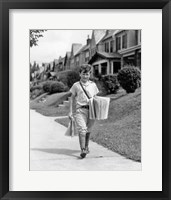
point(60, 64)
point(107, 51)
point(51, 66)
point(46, 66)
point(115, 50)
point(41, 73)
point(53, 76)
point(83, 55)
point(67, 61)
point(107, 43)
point(74, 50)
point(128, 44)
point(96, 37)
point(106, 60)
point(105, 63)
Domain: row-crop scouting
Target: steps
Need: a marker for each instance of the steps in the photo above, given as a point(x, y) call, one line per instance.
point(65, 103)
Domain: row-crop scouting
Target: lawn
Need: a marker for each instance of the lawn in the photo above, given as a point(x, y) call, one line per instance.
point(121, 132)
point(49, 107)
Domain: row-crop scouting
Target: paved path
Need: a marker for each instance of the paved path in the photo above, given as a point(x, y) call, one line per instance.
point(50, 149)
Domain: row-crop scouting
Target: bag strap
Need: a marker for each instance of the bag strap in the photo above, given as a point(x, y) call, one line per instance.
point(84, 90)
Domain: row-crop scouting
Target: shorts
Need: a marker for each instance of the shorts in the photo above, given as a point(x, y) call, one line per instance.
point(83, 123)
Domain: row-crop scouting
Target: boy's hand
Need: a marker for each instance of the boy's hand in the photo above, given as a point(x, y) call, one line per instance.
point(70, 115)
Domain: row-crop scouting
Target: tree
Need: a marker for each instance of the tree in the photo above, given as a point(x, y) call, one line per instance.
point(34, 35)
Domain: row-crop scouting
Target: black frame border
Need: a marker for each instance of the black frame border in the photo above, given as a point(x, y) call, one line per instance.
point(5, 6)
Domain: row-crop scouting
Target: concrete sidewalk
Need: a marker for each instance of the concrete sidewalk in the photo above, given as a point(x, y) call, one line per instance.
point(51, 150)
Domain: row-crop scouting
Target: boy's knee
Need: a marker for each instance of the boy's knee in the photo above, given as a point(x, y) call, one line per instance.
point(83, 132)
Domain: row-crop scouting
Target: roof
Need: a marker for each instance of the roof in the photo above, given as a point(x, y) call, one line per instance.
point(41, 69)
point(118, 31)
point(75, 48)
point(80, 50)
point(68, 54)
point(53, 73)
point(84, 48)
point(109, 55)
point(61, 59)
point(109, 34)
point(98, 35)
point(104, 55)
point(56, 61)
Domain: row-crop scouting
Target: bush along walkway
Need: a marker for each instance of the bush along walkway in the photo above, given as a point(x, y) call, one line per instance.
point(50, 149)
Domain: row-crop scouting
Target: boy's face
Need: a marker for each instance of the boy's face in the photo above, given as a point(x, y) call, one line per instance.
point(85, 76)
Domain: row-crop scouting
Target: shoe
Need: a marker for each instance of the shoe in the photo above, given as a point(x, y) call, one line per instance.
point(83, 153)
point(82, 140)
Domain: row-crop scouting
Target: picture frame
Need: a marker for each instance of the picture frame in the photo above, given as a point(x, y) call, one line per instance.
point(5, 7)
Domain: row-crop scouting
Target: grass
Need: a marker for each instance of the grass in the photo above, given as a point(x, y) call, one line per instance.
point(121, 132)
point(50, 106)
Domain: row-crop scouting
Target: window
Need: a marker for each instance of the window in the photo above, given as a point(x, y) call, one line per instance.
point(118, 43)
point(116, 67)
point(124, 41)
point(93, 51)
point(96, 70)
point(86, 59)
point(104, 68)
point(139, 37)
point(87, 56)
point(136, 37)
point(111, 46)
point(107, 47)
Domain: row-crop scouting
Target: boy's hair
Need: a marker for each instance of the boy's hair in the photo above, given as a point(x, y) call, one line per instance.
point(85, 68)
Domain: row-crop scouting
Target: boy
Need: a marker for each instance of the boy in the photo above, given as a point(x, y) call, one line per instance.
point(83, 123)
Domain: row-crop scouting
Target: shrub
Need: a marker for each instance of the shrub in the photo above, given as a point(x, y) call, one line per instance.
point(69, 77)
point(57, 87)
point(47, 86)
point(72, 77)
point(32, 88)
point(111, 83)
point(129, 78)
point(35, 93)
point(98, 76)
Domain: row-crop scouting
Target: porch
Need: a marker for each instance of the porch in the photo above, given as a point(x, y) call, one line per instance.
point(105, 63)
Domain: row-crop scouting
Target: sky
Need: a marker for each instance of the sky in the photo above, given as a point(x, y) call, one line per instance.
point(55, 43)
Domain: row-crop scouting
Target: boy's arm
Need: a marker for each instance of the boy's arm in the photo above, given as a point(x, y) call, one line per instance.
point(71, 100)
point(96, 90)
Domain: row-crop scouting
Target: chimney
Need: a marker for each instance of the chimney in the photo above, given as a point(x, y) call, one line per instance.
point(107, 32)
point(88, 40)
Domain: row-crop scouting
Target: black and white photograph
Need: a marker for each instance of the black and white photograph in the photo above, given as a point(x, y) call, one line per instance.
point(85, 100)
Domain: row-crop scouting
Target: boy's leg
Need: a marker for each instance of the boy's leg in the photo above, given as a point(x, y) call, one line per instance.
point(90, 124)
point(81, 123)
point(87, 142)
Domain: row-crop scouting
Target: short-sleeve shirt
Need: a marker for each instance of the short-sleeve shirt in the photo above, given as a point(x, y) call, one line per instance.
point(80, 96)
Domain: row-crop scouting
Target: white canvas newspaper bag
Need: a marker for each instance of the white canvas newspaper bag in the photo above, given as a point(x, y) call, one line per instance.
point(98, 106)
